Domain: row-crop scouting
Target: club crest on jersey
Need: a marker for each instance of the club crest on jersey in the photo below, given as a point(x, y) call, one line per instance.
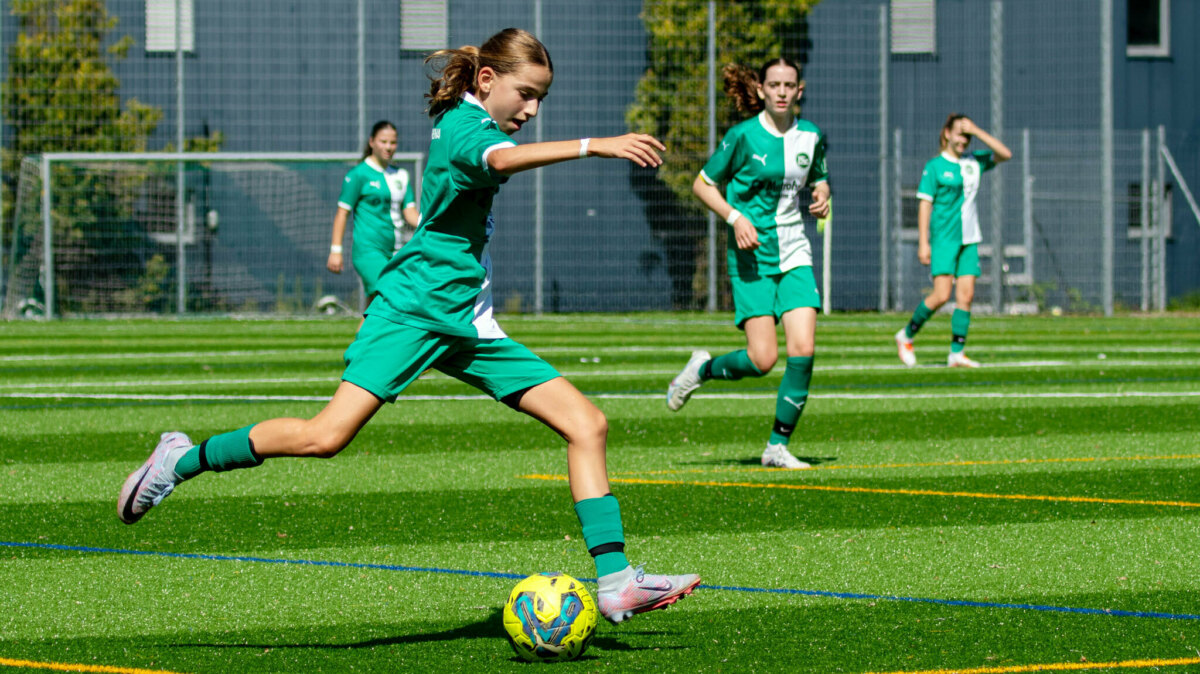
point(802, 160)
point(968, 169)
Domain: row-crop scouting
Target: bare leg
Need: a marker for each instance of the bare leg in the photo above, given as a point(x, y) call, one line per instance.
point(964, 292)
point(800, 329)
point(941, 291)
point(559, 405)
point(324, 435)
point(762, 344)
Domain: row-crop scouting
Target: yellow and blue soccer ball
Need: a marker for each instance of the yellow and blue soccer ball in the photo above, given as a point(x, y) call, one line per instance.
point(550, 616)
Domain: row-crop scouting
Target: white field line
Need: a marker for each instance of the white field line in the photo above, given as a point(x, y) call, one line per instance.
point(574, 374)
point(183, 397)
point(1089, 349)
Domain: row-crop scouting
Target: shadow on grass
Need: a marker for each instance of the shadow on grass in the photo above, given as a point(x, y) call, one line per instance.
point(757, 461)
point(491, 627)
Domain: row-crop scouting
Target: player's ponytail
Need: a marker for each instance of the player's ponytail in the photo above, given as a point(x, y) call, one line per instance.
point(455, 70)
point(379, 126)
point(741, 83)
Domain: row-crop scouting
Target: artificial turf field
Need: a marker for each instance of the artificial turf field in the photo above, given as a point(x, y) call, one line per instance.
point(1038, 514)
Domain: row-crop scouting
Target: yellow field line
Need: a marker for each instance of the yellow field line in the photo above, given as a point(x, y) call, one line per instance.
point(872, 490)
point(68, 667)
point(1055, 667)
point(930, 464)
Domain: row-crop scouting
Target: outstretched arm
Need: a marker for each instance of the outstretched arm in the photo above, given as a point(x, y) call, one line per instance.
point(638, 148)
point(999, 150)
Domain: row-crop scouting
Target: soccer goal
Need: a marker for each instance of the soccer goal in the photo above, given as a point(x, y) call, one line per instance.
point(177, 233)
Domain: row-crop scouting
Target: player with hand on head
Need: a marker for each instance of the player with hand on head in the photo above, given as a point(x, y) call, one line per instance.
point(948, 227)
point(765, 161)
point(434, 310)
point(385, 211)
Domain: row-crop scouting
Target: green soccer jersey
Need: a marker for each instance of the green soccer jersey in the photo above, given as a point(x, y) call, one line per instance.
point(377, 197)
point(765, 171)
point(441, 280)
point(951, 185)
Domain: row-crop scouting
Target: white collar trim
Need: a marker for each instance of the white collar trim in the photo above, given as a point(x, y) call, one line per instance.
point(373, 163)
point(765, 120)
point(950, 157)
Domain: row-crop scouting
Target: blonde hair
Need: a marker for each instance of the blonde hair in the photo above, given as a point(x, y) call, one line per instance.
point(741, 83)
point(456, 69)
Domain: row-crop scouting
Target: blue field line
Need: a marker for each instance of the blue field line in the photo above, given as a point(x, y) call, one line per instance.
point(517, 576)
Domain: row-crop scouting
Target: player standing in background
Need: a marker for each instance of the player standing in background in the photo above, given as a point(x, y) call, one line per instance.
point(948, 225)
point(381, 197)
point(435, 310)
point(766, 160)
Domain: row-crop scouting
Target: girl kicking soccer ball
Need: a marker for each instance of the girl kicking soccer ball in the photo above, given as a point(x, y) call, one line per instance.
point(434, 310)
point(948, 225)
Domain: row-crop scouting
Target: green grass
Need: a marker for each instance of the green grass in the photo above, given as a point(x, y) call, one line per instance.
point(921, 491)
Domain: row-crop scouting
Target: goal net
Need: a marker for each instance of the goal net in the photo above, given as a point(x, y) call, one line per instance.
point(116, 233)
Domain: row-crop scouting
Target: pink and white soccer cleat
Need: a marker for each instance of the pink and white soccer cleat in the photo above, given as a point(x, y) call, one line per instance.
point(638, 592)
point(147, 486)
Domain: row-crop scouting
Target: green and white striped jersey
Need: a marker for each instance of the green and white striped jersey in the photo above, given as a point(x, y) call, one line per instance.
point(377, 197)
point(764, 171)
point(951, 185)
point(441, 280)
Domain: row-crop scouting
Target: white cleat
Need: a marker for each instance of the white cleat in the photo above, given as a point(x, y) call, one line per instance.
point(686, 382)
point(904, 348)
point(147, 486)
point(960, 359)
point(635, 591)
point(778, 456)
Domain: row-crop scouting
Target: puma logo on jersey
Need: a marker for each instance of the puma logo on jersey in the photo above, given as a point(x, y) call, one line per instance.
point(762, 159)
point(724, 145)
point(948, 174)
point(375, 184)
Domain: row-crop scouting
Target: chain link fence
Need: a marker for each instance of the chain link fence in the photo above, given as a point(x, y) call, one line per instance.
point(307, 76)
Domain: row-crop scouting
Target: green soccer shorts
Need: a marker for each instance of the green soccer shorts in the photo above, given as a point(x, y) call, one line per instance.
point(369, 263)
point(954, 258)
point(385, 357)
point(774, 295)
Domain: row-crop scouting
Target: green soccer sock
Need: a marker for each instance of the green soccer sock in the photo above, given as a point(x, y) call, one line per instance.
point(226, 451)
point(922, 314)
point(793, 393)
point(959, 322)
point(603, 533)
point(730, 367)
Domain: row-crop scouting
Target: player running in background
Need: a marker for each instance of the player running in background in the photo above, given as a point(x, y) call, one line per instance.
point(765, 161)
point(948, 225)
point(381, 197)
point(434, 309)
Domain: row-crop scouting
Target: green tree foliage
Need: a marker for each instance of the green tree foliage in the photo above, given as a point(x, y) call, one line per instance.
point(61, 95)
point(671, 103)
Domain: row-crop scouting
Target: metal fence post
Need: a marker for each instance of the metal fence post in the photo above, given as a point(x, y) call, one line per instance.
point(1144, 200)
point(897, 221)
point(1027, 207)
point(1106, 151)
point(997, 186)
point(47, 238)
point(711, 305)
point(539, 198)
point(1160, 227)
point(180, 178)
point(883, 158)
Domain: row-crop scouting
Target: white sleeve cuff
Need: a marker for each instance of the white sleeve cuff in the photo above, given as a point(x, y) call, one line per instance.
point(345, 206)
point(705, 178)
point(497, 146)
point(924, 197)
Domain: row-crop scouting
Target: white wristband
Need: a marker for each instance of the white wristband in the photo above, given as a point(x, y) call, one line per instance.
point(583, 146)
point(335, 248)
point(733, 216)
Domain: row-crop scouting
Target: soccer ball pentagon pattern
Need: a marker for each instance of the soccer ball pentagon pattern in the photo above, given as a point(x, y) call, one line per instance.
point(550, 616)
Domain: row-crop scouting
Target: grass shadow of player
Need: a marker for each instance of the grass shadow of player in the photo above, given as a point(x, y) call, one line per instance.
point(757, 461)
point(488, 628)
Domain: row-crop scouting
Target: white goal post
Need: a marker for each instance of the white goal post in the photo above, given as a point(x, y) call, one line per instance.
point(112, 232)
